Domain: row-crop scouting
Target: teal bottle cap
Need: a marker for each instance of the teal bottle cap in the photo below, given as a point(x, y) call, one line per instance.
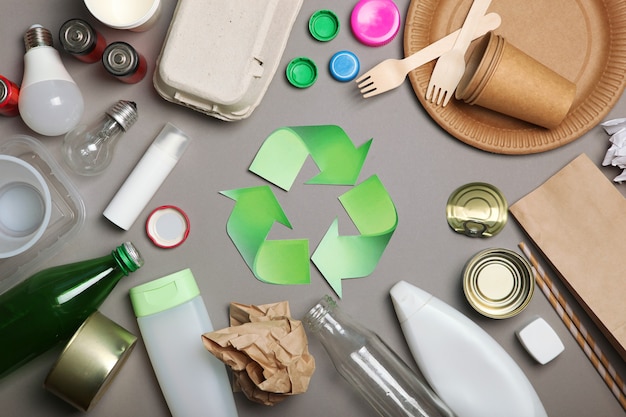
point(301, 72)
point(344, 66)
point(164, 293)
point(324, 25)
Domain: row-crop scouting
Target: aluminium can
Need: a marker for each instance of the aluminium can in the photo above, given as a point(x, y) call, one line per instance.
point(477, 209)
point(498, 283)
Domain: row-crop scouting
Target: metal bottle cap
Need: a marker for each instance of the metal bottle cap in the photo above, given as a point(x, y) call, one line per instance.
point(498, 283)
point(77, 36)
point(120, 59)
point(125, 113)
point(90, 361)
point(477, 210)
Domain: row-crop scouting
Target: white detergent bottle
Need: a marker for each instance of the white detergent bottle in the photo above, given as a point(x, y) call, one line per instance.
point(465, 366)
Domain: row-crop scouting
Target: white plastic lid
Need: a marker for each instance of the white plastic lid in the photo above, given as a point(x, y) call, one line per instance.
point(167, 226)
point(540, 340)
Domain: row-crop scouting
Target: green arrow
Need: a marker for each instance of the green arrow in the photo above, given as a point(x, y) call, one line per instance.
point(272, 261)
point(284, 152)
point(341, 257)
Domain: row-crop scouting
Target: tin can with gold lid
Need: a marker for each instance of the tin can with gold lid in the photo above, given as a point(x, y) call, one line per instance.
point(498, 283)
point(90, 361)
point(477, 209)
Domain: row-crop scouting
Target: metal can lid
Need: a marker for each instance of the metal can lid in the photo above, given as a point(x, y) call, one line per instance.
point(477, 209)
point(120, 59)
point(90, 361)
point(324, 25)
point(167, 227)
point(77, 37)
point(301, 72)
point(498, 283)
point(344, 66)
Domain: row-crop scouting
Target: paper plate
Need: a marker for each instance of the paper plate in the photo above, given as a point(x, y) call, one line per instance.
point(583, 41)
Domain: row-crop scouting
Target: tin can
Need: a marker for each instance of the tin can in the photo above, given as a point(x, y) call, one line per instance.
point(124, 62)
point(81, 40)
point(477, 209)
point(9, 94)
point(498, 283)
point(90, 361)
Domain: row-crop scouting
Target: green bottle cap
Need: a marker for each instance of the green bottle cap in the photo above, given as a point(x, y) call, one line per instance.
point(164, 293)
point(302, 72)
point(324, 25)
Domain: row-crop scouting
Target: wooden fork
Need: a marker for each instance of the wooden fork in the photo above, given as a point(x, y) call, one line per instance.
point(451, 65)
point(391, 73)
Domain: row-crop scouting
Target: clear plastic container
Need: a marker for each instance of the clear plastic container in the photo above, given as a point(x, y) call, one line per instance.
point(68, 210)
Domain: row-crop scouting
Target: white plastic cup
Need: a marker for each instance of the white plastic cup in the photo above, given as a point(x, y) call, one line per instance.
point(25, 206)
point(134, 15)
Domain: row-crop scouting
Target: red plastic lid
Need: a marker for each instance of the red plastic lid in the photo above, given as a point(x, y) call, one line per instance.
point(375, 22)
point(167, 226)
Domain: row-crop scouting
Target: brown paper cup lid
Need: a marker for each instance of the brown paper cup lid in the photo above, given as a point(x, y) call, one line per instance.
point(85, 368)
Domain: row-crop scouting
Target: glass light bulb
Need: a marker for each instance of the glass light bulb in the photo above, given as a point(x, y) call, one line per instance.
point(50, 102)
point(88, 149)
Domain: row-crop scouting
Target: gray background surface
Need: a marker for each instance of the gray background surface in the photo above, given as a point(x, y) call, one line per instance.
point(419, 163)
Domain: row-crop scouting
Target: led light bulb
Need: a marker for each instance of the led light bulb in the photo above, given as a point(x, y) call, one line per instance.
point(50, 102)
point(88, 149)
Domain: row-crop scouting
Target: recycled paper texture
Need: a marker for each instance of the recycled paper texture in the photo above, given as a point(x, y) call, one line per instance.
point(578, 220)
point(266, 350)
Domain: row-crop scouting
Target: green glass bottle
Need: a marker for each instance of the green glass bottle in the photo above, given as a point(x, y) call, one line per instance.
point(50, 306)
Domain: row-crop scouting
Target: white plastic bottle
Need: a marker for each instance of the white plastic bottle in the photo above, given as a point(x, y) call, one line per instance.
point(465, 366)
point(172, 318)
point(147, 176)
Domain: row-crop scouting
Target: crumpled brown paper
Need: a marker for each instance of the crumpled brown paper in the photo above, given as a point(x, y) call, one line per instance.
point(577, 218)
point(267, 351)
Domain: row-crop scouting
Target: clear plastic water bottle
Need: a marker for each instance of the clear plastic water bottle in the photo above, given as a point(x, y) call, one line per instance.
point(370, 366)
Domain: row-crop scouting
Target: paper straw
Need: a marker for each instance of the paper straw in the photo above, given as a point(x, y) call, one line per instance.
point(573, 324)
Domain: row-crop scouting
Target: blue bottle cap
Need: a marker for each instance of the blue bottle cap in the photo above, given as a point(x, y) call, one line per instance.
point(344, 66)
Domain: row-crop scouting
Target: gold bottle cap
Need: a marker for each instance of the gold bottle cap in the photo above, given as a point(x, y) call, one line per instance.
point(498, 283)
point(477, 210)
point(90, 361)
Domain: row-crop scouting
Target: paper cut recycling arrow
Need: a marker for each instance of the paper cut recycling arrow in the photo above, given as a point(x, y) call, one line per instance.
point(369, 206)
point(284, 152)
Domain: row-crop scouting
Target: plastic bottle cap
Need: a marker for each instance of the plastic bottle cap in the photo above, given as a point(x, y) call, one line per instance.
point(324, 25)
point(344, 66)
point(164, 293)
point(167, 226)
point(302, 72)
point(540, 340)
point(375, 22)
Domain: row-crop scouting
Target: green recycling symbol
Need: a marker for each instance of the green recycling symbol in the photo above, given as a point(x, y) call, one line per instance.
point(369, 206)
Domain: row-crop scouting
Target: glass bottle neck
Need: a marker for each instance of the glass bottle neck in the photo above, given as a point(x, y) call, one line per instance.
point(128, 257)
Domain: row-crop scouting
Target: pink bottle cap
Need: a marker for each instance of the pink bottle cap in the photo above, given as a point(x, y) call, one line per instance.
point(375, 22)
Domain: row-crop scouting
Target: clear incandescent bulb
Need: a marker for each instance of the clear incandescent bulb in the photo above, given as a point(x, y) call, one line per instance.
point(50, 102)
point(88, 149)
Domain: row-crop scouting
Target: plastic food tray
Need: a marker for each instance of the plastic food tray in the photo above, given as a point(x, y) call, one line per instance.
point(219, 56)
point(68, 210)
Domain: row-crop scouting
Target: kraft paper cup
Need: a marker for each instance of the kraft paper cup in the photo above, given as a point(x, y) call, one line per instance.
point(25, 206)
point(134, 15)
point(502, 78)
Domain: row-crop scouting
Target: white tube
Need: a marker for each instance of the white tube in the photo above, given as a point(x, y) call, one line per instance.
point(147, 176)
point(465, 366)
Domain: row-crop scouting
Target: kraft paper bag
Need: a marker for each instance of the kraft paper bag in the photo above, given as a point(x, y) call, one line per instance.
point(578, 220)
